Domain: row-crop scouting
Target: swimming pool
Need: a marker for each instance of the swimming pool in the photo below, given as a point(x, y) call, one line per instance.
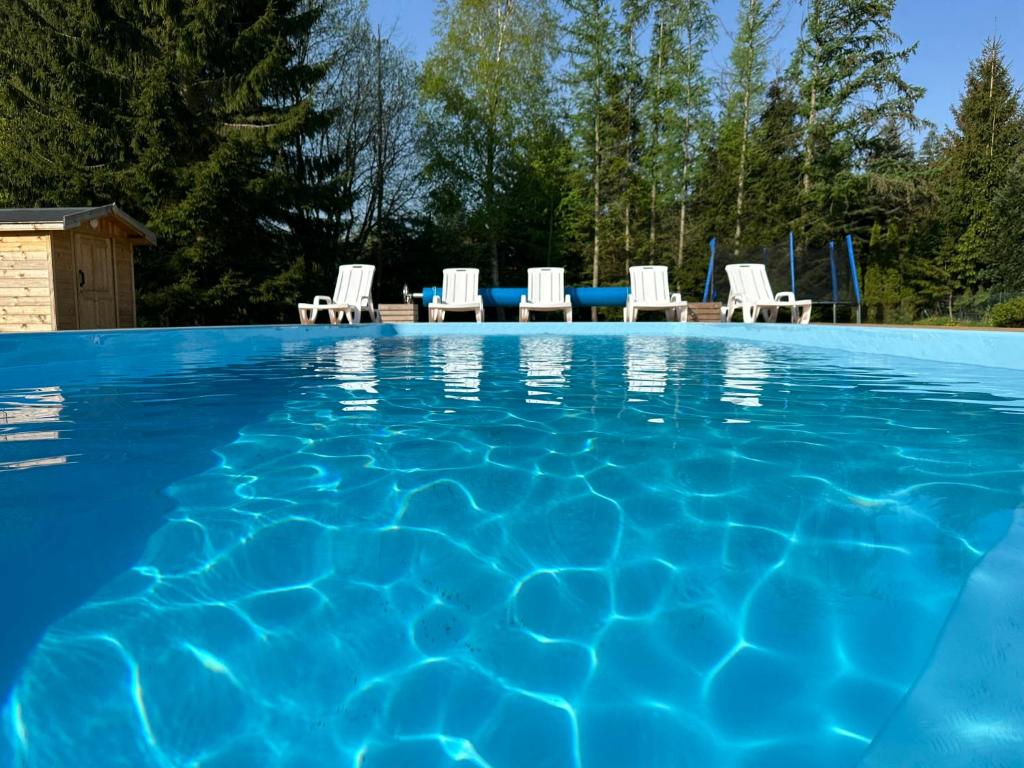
point(493, 546)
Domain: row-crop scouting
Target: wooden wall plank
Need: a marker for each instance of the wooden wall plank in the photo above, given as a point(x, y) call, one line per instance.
point(30, 274)
point(25, 292)
point(125, 283)
point(65, 286)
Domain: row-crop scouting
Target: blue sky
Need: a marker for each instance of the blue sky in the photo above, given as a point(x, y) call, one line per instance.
point(949, 32)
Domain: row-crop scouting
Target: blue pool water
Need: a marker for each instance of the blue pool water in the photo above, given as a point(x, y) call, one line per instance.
point(502, 551)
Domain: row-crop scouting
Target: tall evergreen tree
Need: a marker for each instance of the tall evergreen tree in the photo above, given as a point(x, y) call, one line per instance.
point(688, 122)
point(184, 113)
point(590, 82)
point(631, 88)
point(853, 97)
point(980, 161)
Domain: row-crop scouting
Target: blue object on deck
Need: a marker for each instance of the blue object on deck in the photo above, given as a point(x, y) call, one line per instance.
point(853, 268)
point(708, 284)
point(832, 269)
point(792, 263)
point(580, 297)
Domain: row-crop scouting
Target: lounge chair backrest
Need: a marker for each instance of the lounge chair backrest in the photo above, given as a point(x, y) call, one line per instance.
point(354, 285)
point(545, 285)
point(750, 281)
point(460, 285)
point(649, 285)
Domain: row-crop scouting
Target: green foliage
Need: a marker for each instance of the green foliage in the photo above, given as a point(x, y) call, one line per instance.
point(855, 111)
point(979, 169)
point(1008, 314)
point(486, 91)
point(265, 141)
point(183, 113)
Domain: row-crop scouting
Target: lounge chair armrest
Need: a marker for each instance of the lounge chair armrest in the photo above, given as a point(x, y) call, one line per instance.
point(326, 299)
point(785, 296)
point(568, 300)
point(677, 297)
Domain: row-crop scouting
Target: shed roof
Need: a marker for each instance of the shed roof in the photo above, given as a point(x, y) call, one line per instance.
point(16, 219)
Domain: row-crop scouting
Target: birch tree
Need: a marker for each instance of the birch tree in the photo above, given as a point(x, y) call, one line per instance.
point(744, 96)
point(486, 84)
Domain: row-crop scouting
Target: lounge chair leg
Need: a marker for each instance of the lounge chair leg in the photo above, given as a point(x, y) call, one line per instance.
point(479, 315)
point(568, 315)
point(750, 313)
point(684, 314)
point(355, 316)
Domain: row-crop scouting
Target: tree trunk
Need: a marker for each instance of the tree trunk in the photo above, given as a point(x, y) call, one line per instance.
point(492, 231)
point(742, 176)
point(991, 106)
point(684, 188)
point(627, 232)
point(597, 206)
point(504, 15)
point(682, 223)
point(380, 148)
point(656, 138)
point(808, 136)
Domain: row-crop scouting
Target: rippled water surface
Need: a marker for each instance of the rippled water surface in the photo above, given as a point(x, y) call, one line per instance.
point(498, 551)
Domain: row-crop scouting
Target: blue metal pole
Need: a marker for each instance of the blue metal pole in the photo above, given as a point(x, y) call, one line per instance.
point(832, 265)
point(853, 272)
point(853, 267)
point(792, 265)
point(711, 269)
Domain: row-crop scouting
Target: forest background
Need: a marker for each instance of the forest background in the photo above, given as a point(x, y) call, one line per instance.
point(267, 141)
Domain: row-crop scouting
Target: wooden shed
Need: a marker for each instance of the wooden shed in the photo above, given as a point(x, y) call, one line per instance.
point(64, 269)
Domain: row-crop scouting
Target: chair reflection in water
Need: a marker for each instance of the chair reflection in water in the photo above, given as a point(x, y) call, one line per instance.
point(647, 364)
point(747, 368)
point(459, 364)
point(353, 364)
point(545, 362)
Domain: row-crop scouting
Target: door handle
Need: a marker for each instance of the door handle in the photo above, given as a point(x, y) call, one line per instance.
point(81, 279)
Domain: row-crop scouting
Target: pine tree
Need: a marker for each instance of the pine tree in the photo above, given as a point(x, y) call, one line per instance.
point(979, 163)
point(183, 113)
point(688, 122)
point(775, 166)
point(853, 96)
point(631, 92)
point(1008, 270)
point(589, 80)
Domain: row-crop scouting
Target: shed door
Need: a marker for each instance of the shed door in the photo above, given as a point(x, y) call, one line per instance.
point(94, 275)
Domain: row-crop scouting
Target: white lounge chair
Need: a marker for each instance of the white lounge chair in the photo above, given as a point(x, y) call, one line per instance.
point(750, 291)
point(648, 291)
point(459, 293)
point(352, 296)
point(545, 292)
